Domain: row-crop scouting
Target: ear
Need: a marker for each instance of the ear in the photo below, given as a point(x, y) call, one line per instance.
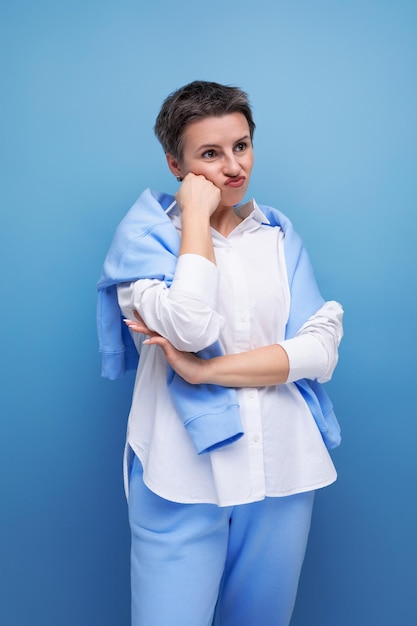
point(173, 164)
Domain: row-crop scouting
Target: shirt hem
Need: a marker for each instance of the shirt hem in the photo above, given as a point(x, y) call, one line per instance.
point(160, 492)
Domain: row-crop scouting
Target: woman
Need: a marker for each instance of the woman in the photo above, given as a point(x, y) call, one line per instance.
point(223, 456)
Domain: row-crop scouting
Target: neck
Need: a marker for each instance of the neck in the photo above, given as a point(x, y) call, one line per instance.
point(224, 220)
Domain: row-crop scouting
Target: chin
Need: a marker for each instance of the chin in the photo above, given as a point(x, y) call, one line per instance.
point(232, 198)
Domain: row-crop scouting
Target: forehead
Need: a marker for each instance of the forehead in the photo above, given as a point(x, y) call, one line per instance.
point(215, 130)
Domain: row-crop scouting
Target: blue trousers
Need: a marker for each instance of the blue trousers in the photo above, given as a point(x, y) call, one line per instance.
point(203, 565)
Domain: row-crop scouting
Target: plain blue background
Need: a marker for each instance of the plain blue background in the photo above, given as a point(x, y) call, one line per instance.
point(334, 91)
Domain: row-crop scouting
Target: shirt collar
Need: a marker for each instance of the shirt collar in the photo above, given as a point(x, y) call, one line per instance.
point(251, 209)
point(245, 210)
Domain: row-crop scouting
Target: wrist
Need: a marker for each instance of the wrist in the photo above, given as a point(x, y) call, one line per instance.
point(206, 371)
point(195, 212)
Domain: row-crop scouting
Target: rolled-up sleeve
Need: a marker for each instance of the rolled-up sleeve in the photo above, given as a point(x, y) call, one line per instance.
point(185, 313)
point(313, 352)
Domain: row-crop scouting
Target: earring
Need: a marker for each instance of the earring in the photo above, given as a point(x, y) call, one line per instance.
point(179, 179)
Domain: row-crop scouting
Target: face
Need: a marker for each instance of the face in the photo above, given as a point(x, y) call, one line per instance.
point(220, 149)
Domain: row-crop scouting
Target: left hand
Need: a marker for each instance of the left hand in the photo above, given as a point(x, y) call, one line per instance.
point(139, 326)
point(186, 364)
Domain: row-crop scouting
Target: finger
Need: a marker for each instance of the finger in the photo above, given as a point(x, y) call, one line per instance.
point(137, 327)
point(157, 340)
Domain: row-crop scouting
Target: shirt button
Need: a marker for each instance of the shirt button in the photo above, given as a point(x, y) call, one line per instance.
point(256, 439)
point(251, 394)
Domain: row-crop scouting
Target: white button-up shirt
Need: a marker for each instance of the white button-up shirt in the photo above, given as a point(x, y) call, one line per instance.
point(244, 302)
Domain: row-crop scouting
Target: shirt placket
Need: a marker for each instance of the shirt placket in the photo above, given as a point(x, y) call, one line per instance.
point(249, 398)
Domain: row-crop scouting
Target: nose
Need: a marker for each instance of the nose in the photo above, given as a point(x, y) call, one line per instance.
point(231, 165)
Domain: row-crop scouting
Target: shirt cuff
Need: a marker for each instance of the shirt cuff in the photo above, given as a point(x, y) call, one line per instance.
point(196, 276)
point(306, 356)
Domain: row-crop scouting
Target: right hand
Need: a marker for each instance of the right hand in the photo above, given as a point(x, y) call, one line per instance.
point(199, 194)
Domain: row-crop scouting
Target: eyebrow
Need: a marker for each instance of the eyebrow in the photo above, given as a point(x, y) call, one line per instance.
point(215, 145)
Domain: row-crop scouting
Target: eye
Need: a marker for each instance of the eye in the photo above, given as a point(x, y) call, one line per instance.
point(241, 146)
point(209, 154)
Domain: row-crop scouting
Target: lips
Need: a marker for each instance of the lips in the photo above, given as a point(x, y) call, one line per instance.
point(237, 182)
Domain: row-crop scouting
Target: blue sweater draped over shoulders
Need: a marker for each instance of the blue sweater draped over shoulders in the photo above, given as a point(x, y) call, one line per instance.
point(146, 245)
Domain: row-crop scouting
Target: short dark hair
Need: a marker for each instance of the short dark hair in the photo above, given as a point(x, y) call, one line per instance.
point(196, 101)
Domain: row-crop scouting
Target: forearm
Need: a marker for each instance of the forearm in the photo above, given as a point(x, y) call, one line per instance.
point(313, 354)
point(196, 236)
point(197, 199)
point(260, 367)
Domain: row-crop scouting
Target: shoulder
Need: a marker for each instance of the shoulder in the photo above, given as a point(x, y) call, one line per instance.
point(276, 217)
